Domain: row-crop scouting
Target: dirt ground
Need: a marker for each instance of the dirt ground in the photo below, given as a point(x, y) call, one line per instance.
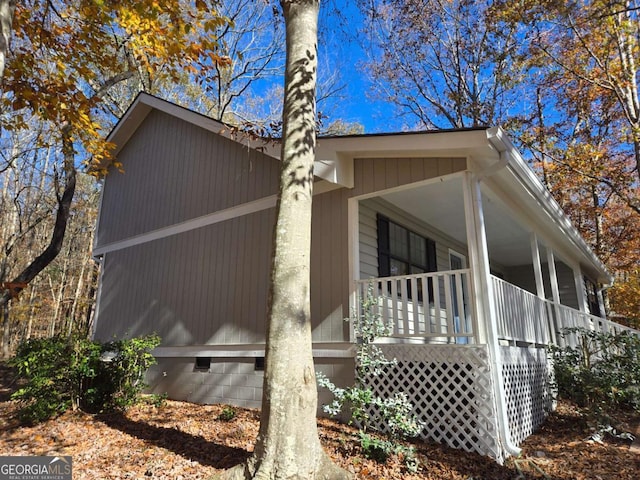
point(186, 441)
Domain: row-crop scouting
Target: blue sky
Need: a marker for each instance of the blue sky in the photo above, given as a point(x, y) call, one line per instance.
point(338, 50)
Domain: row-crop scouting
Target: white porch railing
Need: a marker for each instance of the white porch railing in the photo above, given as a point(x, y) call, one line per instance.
point(520, 315)
point(524, 317)
point(433, 306)
point(436, 307)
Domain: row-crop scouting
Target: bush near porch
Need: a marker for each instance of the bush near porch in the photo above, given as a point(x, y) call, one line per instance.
point(601, 371)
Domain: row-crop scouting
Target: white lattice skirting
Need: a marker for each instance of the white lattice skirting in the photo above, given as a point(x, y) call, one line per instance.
point(525, 373)
point(451, 389)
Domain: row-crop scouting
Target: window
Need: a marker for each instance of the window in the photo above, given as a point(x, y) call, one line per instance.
point(403, 252)
point(592, 297)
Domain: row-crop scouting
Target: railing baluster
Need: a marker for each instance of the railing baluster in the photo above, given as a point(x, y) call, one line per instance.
point(457, 278)
point(449, 310)
point(415, 305)
point(394, 308)
point(437, 310)
point(384, 289)
point(404, 295)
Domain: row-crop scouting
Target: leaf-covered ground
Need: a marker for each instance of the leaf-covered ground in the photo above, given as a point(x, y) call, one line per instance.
point(186, 441)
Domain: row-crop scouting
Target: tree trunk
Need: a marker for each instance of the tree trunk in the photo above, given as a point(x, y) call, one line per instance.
point(92, 282)
point(60, 226)
point(76, 300)
point(5, 331)
point(7, 8)
point(288, 445)
point(32, 313)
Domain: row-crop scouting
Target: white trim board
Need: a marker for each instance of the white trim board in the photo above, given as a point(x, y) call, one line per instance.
point(320, 350)
point(203, 221)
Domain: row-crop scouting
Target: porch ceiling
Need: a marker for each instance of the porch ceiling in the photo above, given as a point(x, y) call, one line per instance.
point(441, 205)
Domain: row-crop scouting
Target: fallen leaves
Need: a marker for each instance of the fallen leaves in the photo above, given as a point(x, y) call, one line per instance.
point(187, 441)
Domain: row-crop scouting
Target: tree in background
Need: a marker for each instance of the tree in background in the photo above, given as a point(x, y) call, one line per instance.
point(586, 134)
point(443, 63)
point(63, 60)
point(7, 9)
point(253, 41)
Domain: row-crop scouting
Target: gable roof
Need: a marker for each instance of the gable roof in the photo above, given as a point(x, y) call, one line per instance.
point(489, 151)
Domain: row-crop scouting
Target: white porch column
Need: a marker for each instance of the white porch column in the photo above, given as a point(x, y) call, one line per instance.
point(537, 267)
point(583, 305)
point(484, 300)
point(353, 239)
point(472, 205)
point(553, 276)
point(557, 324)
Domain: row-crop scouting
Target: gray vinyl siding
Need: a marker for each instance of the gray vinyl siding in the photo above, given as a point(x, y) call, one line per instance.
point(209, 285)
point(376, 174)
point(368, 239)
point(175, 171)
point(204, 286)
point(330, 267)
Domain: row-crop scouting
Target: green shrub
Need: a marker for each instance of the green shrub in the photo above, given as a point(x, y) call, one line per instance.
point(63, 373)
point(359, 400)
point(119, 380)
point(602, 372)
point(376, 448)
point(227, 414)
point(156, 399)
point(380, 449)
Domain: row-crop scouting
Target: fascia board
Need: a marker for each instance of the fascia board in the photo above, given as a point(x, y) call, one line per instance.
point(403, 145)
point(554, 216)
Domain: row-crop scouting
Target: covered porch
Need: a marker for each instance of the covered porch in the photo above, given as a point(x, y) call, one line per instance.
point(508, 270)
point(470, 325)
point(522, 318)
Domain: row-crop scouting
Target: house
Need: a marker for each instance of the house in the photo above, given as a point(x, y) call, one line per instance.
point(474, 264)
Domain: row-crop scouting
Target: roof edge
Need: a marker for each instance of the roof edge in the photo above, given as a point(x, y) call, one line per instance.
point(498, 137)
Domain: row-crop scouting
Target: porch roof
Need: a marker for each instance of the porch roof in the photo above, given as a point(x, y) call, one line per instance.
point(509, 186)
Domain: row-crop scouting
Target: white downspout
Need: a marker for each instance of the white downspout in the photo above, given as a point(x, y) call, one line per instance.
point(486, 285)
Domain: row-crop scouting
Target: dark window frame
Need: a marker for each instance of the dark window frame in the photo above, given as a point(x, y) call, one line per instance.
point(593, 302)
point(386, 255)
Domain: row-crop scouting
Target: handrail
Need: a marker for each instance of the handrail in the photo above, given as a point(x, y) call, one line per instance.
point(527, 318)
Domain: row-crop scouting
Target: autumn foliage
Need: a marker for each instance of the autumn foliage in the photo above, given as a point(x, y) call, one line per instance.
point(587, 138)
point(66, 56)
point(561, 76)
